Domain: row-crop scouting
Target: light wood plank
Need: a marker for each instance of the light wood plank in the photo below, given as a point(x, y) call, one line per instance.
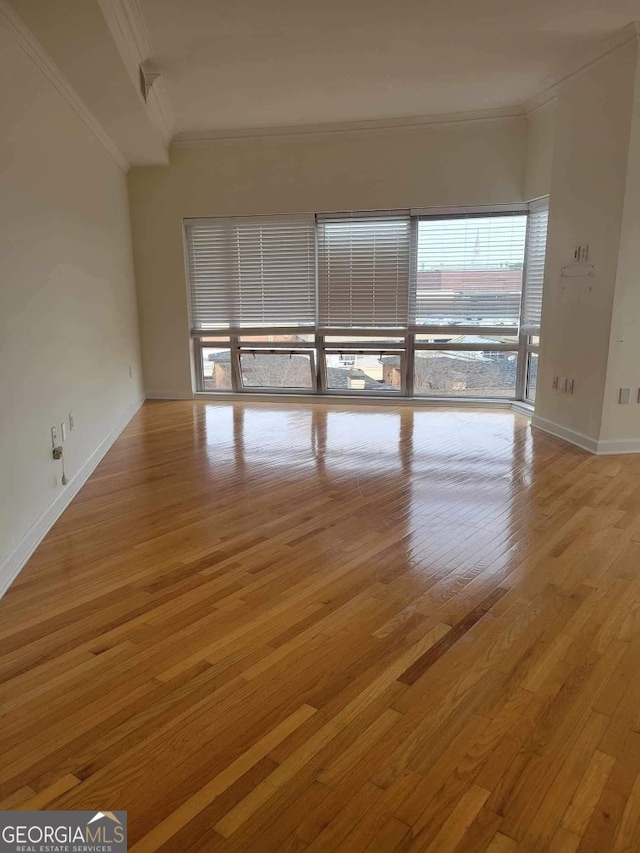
point(285, 627)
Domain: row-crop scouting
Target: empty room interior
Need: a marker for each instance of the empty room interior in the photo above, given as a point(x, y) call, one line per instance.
point(320, 426)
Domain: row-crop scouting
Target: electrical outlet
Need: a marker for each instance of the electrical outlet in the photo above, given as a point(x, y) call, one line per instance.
point(54, 436)
point(624, 396)
point(70, 420)
point(563, 386)
point(570, 386)
point(63, 431)
point(555, 383)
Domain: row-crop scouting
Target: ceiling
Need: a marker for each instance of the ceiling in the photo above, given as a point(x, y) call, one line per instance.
point(266, 63)
point(247, 65)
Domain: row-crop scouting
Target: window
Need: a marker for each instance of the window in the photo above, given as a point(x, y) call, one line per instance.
point(532, 376)
point(469, 270)
point(532, 298)
point(216, 368)
point(368, 370)
point(383, 303)
point(253, 272)
point(279, 369)
point(464, 373)
point(534, 277)
point(466, 366)
point(363, 271)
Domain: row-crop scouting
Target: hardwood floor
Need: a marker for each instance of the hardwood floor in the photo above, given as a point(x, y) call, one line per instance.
point(291, 628)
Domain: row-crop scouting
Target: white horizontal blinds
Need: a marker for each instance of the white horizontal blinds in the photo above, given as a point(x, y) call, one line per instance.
point(534, 267)
point(363, 271)
point(469, 270)
point(251, 272)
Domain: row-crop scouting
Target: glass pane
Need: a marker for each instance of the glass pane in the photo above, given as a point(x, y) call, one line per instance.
point(216, 369)
point(469, 270)
point(293, 338)
point(532, 376)
point(452, 338)
point(451, 373)
point(276, 370)
point(356, 340)
point(367, 372)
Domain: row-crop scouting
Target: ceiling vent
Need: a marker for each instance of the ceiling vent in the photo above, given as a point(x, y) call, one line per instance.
point(148, 76)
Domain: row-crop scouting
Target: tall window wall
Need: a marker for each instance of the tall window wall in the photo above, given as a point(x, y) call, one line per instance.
point(392, 303)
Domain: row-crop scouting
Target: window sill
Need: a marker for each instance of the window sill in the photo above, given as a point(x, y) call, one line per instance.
point(522, 407)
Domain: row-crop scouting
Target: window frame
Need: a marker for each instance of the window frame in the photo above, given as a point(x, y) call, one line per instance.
point(360, 348)
point(199, 344)
point(406, 339)
point(338, 292)
point(470, 348)
point(450, 215)
point(529, 350)
point(309, 351)
point(286, 226)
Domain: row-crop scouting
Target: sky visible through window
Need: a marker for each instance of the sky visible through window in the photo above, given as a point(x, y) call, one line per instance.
point(472, 243)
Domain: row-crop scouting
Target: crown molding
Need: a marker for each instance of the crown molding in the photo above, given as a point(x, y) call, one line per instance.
point(204, 137)
point(130, 33)
point(540, 102)
point(131, 36)
point(552, 83)
point(41, 58)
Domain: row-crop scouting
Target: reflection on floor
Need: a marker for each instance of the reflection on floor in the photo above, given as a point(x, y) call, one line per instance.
point(313, 627)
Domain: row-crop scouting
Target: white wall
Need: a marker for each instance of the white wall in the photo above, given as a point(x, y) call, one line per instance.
point(433, 165)
point(620, 423)
point(68, 319)
point(541, 129)
point(588, 185)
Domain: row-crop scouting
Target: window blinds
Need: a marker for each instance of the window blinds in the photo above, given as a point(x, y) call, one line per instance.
point(469, 270)
point(363, 271)
point(251, 272)
point(534, 273)
point(385, 270)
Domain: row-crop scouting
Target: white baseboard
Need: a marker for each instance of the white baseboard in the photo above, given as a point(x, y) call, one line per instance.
point(577, 438)
point(13, 563)
point(612, 447)
point(168, 395)
point(609, 447)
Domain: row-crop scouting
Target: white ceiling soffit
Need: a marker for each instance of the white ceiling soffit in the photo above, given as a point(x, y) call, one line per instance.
point(131, 36)
point(92, 46)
